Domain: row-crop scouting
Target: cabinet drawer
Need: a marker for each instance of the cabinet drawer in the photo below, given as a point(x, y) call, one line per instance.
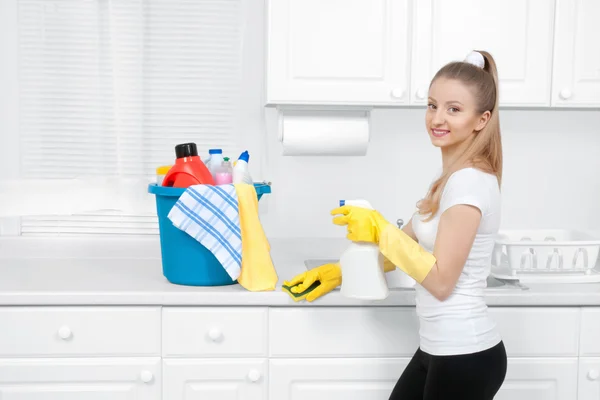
point(79, 331)
point(547, 331)
point(214, 331)
point(590, 332)
point(343, 331)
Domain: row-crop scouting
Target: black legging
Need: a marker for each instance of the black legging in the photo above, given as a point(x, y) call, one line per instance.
point(476, 376)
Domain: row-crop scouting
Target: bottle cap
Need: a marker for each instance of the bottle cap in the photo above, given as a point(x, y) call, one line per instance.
point(342, 203)
point(215, 151)
point(163, 169)
point(225, 158)
point(186, 150)
point(244, 156)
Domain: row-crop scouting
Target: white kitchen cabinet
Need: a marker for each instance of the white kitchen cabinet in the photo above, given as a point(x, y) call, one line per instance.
point(260, 352)
point(215, 379)
point(338, 331)
point(327, 378)
point(540, 379)
point(518, 34)
point(214, 332)
point(590, 332)
point(80, 378)
point(338, 52)
point(576, 76)
point(538, 331)
point(80, 331)
point(589, 378)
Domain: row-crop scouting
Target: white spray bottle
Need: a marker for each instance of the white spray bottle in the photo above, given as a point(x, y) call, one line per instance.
point(363, 276)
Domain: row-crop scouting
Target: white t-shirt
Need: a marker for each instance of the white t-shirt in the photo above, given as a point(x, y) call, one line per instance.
point(461, 324)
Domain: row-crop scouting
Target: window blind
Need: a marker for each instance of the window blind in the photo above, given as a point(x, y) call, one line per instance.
point(109, 87)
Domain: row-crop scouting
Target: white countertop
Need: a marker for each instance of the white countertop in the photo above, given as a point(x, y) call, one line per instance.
point(68, 272)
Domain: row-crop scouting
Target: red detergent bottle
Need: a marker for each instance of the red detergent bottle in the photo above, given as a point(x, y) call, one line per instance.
point(189, 169)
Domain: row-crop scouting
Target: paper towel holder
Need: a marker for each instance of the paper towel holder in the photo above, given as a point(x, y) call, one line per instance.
point(350, 112)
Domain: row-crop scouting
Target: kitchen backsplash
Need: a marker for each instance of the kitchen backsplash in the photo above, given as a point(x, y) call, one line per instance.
point(551, 169)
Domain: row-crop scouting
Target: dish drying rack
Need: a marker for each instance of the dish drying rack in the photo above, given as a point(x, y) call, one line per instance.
point(558, 256)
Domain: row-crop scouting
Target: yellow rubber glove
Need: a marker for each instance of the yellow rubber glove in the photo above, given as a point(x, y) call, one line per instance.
point(365, 225)
point(329, 276)
point(388, 266)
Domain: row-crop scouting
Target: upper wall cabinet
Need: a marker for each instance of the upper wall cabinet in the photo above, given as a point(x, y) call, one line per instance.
point(576, 80)
point(518, 33)
point(338, 52)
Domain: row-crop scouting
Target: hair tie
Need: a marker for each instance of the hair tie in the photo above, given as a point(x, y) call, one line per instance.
point(475, 58)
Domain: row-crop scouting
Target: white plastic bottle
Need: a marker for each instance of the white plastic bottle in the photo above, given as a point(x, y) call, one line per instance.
point(363, 276)
point(214, 161)
point(241, 172)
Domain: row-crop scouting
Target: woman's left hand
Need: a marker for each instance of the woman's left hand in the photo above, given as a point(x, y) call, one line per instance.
point(363, 224)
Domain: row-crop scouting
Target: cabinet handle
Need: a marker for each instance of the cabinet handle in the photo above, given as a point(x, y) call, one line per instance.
point(215, 334)
point(565, 94)
point(397, 93)
point(64, 332)
point(593, 375)
point(146, 376)
point(420, 94)
point(254, 375)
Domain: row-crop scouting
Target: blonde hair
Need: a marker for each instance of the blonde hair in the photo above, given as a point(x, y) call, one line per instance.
point(485, 150)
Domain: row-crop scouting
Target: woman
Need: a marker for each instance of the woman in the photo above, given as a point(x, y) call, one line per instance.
point(447, 246)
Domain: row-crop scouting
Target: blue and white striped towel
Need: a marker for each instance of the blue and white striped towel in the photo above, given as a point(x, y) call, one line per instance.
point(210, 215)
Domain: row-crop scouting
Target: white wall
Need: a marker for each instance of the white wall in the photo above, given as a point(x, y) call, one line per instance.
point(551, 173)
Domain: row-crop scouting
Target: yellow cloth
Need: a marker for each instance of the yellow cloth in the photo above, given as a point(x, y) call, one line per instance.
point(257, 271)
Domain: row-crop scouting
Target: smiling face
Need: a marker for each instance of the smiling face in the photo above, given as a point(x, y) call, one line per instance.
point(452, 116)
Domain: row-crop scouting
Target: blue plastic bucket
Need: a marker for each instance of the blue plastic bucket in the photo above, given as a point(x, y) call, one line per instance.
point(184, 260)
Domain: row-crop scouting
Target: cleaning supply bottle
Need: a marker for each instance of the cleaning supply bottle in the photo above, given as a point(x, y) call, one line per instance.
point(223, 174)
point(363, 276)
point(214, 161)
point(188, 169)
point(161, 172)
point(241, 172)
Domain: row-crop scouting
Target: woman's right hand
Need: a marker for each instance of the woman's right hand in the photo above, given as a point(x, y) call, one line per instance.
point(329, 276)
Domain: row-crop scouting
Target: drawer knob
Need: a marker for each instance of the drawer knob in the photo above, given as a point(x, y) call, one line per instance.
point(397, 93)
point(421, 94)
point(593, 375)
point(565, 94)
point(146, 376)
point(64, 332)
point(215, 334)
point(254, 375)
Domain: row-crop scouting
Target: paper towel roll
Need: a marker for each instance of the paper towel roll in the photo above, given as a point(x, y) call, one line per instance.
point(324, 134)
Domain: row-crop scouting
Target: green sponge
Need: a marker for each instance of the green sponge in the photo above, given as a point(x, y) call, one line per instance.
point(302, 295)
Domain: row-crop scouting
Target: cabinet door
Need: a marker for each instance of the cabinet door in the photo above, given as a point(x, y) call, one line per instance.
point(215, 379)
point(589, 378)
point(589, 332)
point(540, 379)
point(518, 33)
point(75, 379)
point(327, 379)
point(576, 76)
point(338, 51)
